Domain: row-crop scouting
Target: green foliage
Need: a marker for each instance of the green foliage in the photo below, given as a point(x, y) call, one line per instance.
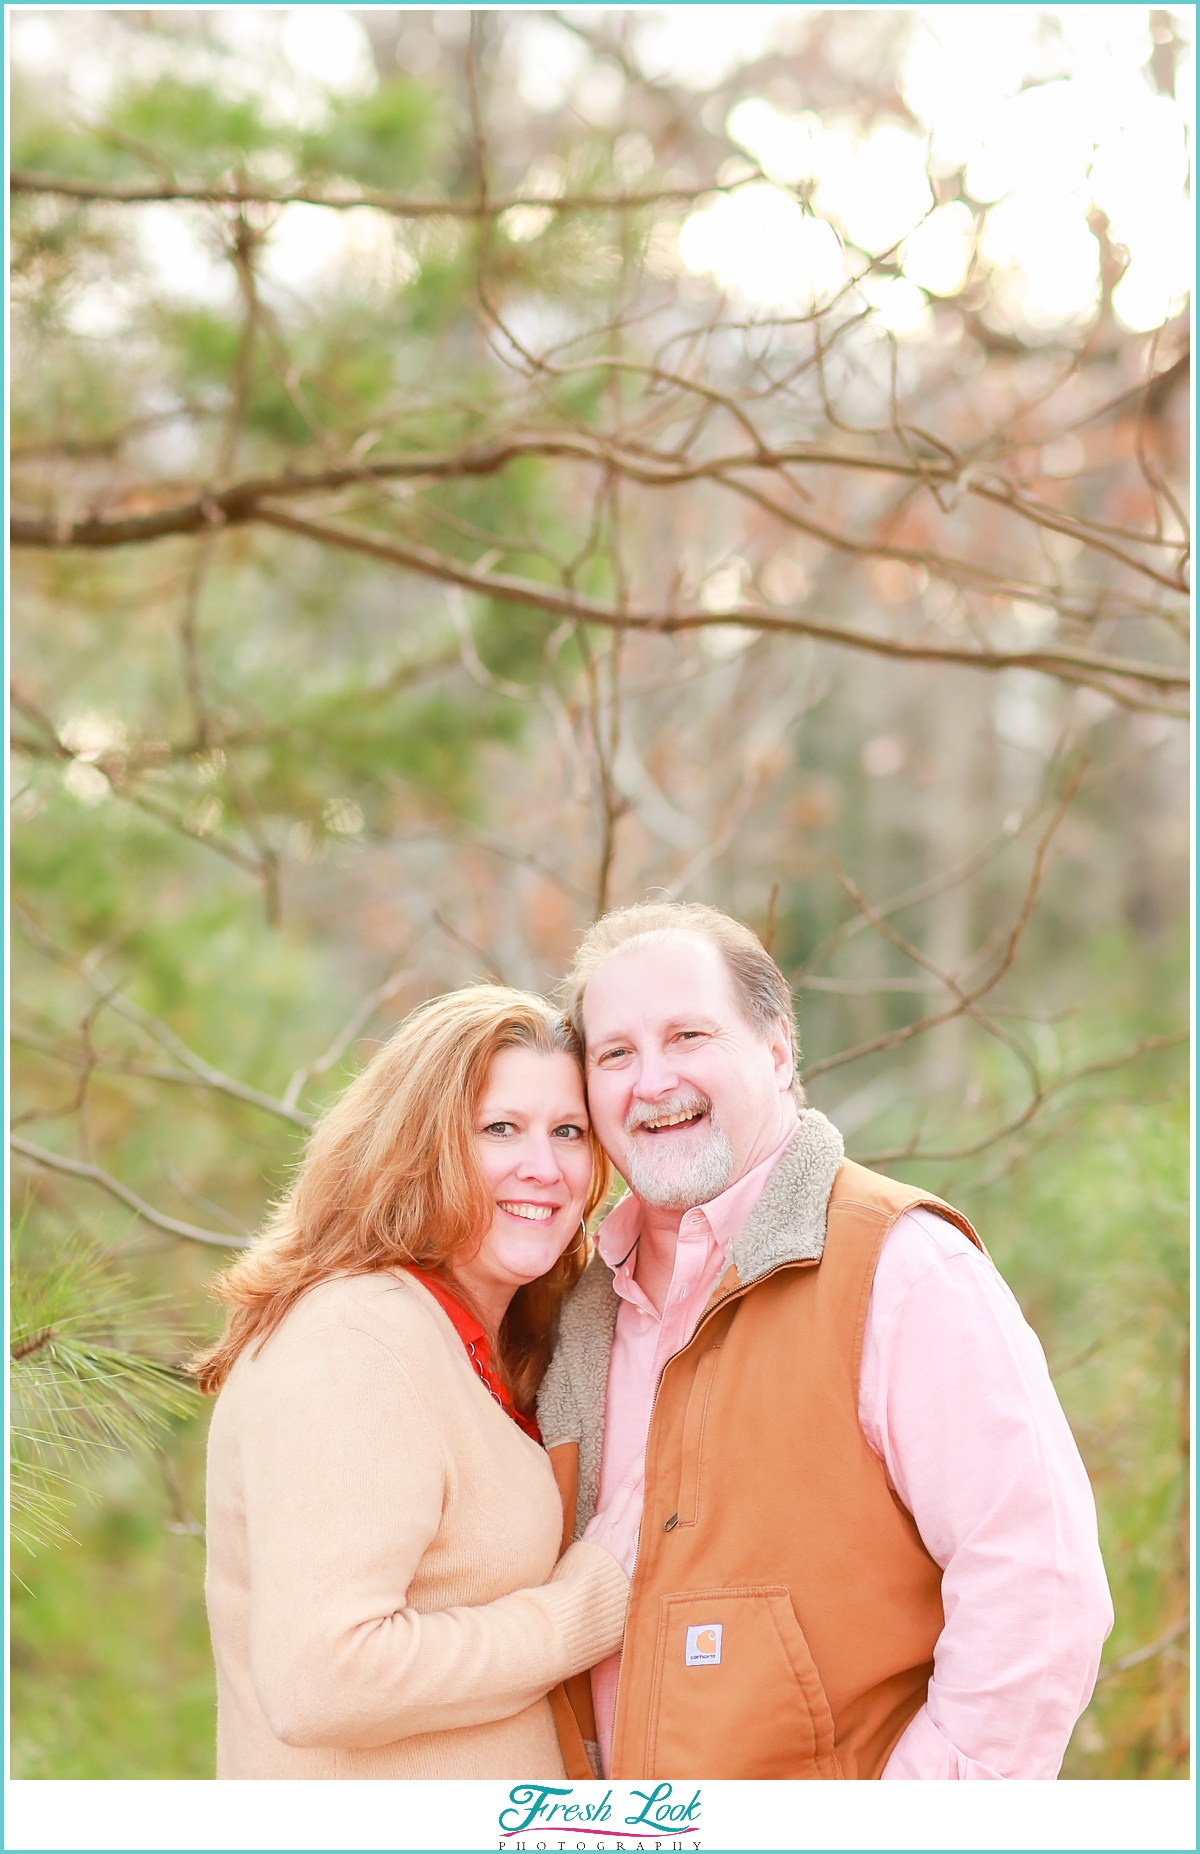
point(1092, 1236)
point(111, 1665)
point(384, 140)
point(73, 860)
point(79, 1390)
point(437, 297)
point(43, 140)
point(190, 125)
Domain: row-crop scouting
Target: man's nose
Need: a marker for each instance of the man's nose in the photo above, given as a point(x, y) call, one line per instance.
point(657, 1075)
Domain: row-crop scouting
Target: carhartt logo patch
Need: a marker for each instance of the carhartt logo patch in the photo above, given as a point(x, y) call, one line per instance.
point(703, 1645)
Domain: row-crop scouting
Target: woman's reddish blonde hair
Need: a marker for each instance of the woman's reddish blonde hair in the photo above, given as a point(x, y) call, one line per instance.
point(391, 1179)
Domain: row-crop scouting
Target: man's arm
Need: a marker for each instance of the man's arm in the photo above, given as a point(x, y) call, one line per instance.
point(956, 1399)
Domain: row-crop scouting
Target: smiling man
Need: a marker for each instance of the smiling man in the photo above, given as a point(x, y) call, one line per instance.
point(800, 1405)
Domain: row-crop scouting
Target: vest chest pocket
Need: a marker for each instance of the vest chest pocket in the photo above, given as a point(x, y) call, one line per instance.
point(735, 1692)
point(692, 1446)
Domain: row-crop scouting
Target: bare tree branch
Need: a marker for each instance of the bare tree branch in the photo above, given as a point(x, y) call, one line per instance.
point(1038, 1099)
point(197, 1068)
point(92, 1174)
point(964, 1000)
point(354, 1025)
point(1063, 661)
point(398, 205)
point(1139, 1655)
point(460, 939)
point(116, 770)
point(638, 464)
point(249, 502)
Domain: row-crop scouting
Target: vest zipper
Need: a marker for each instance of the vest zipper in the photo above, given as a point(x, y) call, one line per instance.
point(737, 1293)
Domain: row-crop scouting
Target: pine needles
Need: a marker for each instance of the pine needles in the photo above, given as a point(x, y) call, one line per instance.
point(88, 1379)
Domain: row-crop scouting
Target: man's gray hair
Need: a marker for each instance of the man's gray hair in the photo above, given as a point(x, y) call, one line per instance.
point(762, 992)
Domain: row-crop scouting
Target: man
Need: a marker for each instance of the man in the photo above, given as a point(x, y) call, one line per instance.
point(798, 1402)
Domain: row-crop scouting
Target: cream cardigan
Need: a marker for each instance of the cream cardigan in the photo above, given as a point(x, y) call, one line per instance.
point(382, 1587)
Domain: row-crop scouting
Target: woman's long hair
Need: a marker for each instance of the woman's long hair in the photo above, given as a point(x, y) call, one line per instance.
point(391, 1178)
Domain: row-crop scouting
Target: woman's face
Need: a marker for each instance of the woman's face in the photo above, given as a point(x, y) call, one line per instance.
point(531, 1137)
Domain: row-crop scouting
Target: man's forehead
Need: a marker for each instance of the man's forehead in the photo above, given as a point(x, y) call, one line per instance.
point(653, 978)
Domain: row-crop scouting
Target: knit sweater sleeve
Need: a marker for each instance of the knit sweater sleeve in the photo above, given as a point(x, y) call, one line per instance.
point(344, 1484)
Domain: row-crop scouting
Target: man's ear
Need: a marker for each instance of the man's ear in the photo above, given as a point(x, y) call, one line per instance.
point(780, 1044)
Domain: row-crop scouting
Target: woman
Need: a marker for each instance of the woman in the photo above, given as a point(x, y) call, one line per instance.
point(383, 1525)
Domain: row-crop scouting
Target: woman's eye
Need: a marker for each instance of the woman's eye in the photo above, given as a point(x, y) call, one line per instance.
point(499, 1127)
point(569, 1132)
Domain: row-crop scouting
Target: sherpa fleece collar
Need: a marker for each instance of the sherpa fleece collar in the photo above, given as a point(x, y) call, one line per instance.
point(787, 1221)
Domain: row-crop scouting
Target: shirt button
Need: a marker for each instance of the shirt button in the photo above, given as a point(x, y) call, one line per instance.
point(683, 1293)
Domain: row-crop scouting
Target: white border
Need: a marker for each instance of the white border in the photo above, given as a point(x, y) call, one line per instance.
point(465, 1816)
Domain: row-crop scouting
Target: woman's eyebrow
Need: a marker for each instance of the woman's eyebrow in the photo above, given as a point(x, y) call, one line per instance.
point(578, 1111)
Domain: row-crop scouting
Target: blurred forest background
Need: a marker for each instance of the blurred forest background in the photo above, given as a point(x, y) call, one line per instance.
point(473, 469)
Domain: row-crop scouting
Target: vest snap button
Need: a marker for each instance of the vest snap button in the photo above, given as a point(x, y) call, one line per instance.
point(669, 1525)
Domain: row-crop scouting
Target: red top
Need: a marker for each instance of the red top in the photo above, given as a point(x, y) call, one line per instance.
point(478, 1350)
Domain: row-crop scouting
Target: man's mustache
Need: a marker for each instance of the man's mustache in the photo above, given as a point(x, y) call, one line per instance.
point(643, 1112)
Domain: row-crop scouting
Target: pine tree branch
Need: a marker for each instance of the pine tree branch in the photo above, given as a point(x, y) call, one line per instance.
point(36, 1342)
point(398, 205)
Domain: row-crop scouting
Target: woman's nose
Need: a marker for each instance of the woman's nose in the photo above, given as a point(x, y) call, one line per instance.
point(539, 1161)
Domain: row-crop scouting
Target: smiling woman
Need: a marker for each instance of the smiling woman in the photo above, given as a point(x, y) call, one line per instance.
point(382, 1583)
point(532, 1144)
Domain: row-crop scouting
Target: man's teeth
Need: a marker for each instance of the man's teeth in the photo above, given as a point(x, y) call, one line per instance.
point(673, 1120)
point(534, 1213)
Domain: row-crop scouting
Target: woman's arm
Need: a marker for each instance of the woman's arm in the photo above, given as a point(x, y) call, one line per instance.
point(344, 1486)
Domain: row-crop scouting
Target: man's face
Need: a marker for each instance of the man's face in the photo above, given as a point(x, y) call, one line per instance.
point(685, 1094)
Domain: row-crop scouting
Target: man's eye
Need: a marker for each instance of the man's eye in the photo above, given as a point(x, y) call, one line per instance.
point(610, 1055)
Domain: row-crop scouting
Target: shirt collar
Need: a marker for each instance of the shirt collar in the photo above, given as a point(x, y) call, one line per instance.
point(463, 1321)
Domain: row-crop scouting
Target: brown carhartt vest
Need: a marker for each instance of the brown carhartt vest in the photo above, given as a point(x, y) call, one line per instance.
point(784, 1610)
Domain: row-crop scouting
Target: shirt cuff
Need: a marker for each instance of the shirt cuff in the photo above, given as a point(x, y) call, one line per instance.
point(923, 1754)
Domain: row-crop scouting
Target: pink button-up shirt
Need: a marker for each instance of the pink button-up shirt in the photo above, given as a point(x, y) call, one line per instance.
point(956, 1400)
